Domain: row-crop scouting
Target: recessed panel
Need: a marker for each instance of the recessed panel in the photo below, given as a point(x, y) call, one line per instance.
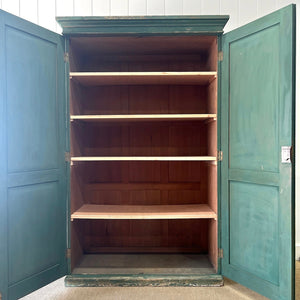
point(31, 87)
point(254, 229)
point(253, 101)
point(34, 214)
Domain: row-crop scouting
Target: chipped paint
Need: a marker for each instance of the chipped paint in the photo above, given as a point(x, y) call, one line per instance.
point(85, 280)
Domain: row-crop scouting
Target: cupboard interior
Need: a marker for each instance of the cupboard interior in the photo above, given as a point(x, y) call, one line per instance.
point(140, 243)
point(143, 54)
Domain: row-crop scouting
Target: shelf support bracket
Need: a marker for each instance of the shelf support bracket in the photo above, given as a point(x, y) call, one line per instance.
point(220, 253)
point(67, 157)
point(66, 57)
point(68, 253)
point(220, 56)
point(220, 155)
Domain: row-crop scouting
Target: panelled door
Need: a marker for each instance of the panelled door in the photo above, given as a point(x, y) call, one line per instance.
point(32, 167)
point(257, 174)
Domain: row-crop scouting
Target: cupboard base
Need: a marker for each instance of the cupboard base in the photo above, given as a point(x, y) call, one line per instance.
point(147, 269)
point(154, 280)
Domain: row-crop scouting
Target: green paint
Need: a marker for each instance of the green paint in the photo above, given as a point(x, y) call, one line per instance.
point(257, 189)
point(254, 60)
point(3, 172)
point(253, 213)
point(219, 145)
point(33, 178)
point(258, 177)
point(144, 280)
point(155, 25)
point(67, 137)
point(259, 67)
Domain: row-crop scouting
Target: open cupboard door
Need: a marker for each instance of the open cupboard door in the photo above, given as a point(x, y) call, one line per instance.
point(257, 176)
point(32, 166)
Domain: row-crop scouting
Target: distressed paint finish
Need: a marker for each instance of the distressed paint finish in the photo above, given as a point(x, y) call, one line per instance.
point(253, 214)
point(284, 179)
point(32, 182)
point(253, 145)
point(67, 139)
point(171, 25)
point(257, 189)
point(144, 280)
point(219, 145)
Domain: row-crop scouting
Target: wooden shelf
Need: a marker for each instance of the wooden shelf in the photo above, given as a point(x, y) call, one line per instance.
point(143, 118)
point(191, 211)
point(142, 78)
point(143, 158)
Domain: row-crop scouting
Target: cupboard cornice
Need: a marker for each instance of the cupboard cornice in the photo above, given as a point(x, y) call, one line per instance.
point(150, 25)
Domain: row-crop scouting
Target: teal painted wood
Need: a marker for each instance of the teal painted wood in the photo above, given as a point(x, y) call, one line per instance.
point(3, 184)
point(33, 171)
point(154, 25)
point(257, 189)
point(156, 280)
point(219, 179)
point(68, 169)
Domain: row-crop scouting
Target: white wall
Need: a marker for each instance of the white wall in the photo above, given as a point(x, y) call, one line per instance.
point(43, 12)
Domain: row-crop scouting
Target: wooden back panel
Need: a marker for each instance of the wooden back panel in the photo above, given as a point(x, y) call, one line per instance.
point(145, 236)
point(139, 99)
point(145, 183)
point(142, 139)
point(162, 53)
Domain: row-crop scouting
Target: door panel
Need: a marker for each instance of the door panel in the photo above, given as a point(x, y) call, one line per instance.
point(257, 116)
point(253, 213)
point(254, 146)
point(33, 250)
point(33, 175)
point(28, 52)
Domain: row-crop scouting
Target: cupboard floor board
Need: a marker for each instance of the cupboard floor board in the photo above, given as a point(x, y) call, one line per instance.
point(144, 264)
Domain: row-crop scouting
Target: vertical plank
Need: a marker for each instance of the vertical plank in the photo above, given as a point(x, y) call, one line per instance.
point(211, 7)
point(155, 7)
point(100, 7)
point(12, 6)
point(173, 7)
point(137, 7)
point(283, 3)
point(230, 8)
point(191, 7)
point(46, 14)
point(64, 8)
point(29, 10)
point(247, 11)
point(264, 7)
point(119, 7)
point(82, 7)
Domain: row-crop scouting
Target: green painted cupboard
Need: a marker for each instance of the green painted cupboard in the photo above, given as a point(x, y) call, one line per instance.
point(147, 151)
